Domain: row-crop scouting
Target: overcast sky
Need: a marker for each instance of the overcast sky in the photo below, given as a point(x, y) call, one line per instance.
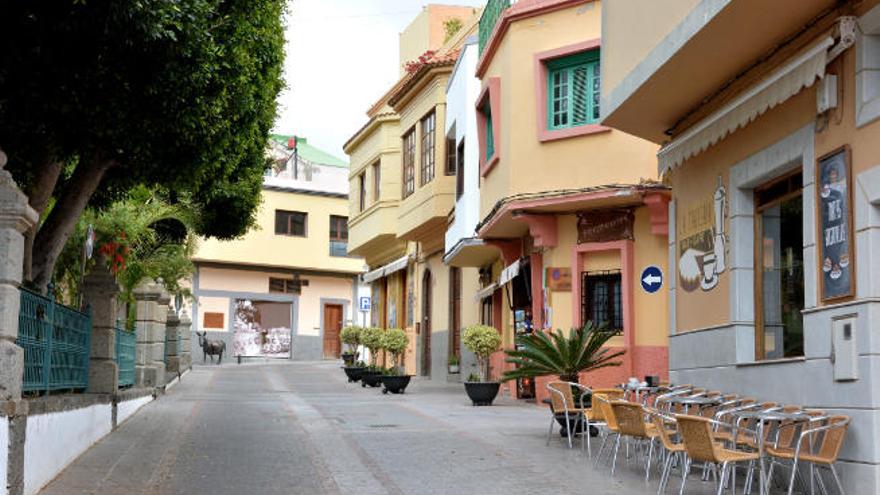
point(341, 57)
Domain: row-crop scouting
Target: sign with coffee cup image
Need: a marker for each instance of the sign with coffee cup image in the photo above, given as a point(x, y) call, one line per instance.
point(835, 225)
point(702, 245)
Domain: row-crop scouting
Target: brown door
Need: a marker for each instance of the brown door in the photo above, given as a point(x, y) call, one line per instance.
point(426, 324)
point(332, 326)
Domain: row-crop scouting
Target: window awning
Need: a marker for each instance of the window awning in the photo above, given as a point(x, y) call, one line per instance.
point(801, 72)
point(486, 291)
point(509, 273)
point(384, 271)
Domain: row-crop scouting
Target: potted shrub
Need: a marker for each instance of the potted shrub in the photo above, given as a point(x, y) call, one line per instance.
point(372, 339)
point(565, 356)
point(453, 364)
point(395, 380)
point(351, 337)
point(482, 341)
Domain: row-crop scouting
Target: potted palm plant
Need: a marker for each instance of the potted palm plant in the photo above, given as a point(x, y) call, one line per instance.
point(565, 356)
point(483, 341)
point(372, 339)
point(351, 337)
point(395, 380)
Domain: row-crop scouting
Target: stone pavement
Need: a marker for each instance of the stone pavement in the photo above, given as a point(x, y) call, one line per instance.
point(300, 428)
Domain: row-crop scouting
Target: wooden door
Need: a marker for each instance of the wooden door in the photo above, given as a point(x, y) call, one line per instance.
point(332, 327)
point(426, 324)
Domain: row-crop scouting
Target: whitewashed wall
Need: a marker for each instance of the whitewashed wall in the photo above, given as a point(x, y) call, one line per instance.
point(125, 409)
point(4, 453)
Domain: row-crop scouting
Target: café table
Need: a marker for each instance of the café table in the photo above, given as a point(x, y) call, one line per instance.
point(641, 393)
point(698, 401)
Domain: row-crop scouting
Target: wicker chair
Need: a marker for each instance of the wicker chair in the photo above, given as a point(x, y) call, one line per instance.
point(602, 404)
point(563, 406)
point(700, 445)
point(830, 440)
point(666, 429)
point(631, 423)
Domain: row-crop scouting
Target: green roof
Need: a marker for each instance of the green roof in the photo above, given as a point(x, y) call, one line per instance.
point(311, 153)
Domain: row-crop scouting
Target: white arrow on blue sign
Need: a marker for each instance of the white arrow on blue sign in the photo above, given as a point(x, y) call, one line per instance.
point(652, 279)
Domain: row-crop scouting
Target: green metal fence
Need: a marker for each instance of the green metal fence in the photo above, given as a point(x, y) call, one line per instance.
point(493, 10)
point(56, 340)
point(126, 342)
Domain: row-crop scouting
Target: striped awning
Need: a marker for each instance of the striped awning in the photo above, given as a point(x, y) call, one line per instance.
point(486, 291)
point(509, 273)
point(384, 271)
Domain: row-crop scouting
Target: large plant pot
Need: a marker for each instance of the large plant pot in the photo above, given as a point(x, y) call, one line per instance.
point(371, 378)
point(348, 358)
point(482, 393)
point(395, 384)
point(353, 372)
point(453, 369)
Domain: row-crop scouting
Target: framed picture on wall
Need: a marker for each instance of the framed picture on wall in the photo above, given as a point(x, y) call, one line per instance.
point(835, 218)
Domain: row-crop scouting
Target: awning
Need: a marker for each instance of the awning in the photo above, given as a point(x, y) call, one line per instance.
point(801, 72)
point(486, 291)
point(384, 271)
point(508, 273)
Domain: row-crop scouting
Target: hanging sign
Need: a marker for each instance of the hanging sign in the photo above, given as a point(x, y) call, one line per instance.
point(605, 225)
point(835, 225)
point(651, 279)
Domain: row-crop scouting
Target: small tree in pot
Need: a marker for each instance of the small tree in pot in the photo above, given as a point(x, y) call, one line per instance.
point(395, 380)
point(351, 337)
point(372, 339)
point(483, 341)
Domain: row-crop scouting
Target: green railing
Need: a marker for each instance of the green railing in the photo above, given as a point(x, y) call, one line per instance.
point(56, 340)
point(493, 10)
point(126, 342)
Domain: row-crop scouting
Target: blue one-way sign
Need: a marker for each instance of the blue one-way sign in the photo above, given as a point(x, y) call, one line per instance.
point(652, 279)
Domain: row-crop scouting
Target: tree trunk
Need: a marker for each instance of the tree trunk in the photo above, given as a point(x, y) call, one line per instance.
point(59, 225)
point(38, 198)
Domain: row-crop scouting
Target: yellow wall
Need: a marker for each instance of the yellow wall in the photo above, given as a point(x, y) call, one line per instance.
point(632, 30)
point(261, 246)
point(528, 165)
point(426, 31)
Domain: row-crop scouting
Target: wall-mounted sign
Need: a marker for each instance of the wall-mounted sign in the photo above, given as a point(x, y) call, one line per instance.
point(605, 225)
point(702, 244)
point(212, 320)
point(651, 279)
point(835, 225)
point(559, 279)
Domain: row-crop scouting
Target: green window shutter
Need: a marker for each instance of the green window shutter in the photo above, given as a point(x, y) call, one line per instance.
point(490, 136)
point(573, 90)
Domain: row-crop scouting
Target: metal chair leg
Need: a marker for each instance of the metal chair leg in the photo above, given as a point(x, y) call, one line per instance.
point(648, 464)
point(550, 431)
point(684, 474)
point(837, 479)
point(601, 448)
point(793, 474)
point(722, 480)
point(616, 450)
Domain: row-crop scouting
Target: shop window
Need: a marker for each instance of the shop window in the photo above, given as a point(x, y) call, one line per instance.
point(428, 151)
point(377, 181)
point(362, 192)
point(573, 90)
point(602, 302)
point(292, 223)
point(409, 162)
point(338, 235)
point(780, 269)
point(459, 170)
point(286, 285)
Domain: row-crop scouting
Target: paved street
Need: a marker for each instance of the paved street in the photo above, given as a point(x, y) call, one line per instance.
point(279, 427)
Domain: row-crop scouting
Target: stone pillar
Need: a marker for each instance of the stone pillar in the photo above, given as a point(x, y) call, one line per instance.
point(172, 367)
point(148, 328)
point(159, 336)
point(16, 216)
point(99, 291)
point(184, 334)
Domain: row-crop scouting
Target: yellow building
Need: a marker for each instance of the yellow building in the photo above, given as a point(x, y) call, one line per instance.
point(573, 223)
point(287, 287)
point(403, 191)
point(769, 117)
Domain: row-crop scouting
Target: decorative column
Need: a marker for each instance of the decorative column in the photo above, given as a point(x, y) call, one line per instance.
point(16, 216)
point(172, 329)
point(148, 328)
point(99, 291)
point(159, 334)
point(184, 330)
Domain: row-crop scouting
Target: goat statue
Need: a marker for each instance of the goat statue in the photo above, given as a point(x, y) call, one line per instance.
point(211, 347)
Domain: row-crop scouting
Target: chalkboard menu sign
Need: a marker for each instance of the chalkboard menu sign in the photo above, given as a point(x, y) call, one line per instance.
point(834, 185)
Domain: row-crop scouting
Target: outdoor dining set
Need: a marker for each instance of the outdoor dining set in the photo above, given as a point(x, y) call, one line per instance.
point(690, 429)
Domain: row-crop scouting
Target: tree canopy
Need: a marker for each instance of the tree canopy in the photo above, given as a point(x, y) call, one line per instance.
point(98, 97)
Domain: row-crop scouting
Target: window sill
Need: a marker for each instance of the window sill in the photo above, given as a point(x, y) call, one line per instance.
point(799, 359)
point(489, 165)
point(546, 135)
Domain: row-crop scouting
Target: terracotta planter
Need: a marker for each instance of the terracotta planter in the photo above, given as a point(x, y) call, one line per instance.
point(482, 393)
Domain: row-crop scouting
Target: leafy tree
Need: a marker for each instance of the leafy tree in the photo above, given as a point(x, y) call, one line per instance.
point(96, 97)
point(540, 354)
point(451, 27)
point(371, 337)
point(395, 341)
point(482, 340)
point(351, 336)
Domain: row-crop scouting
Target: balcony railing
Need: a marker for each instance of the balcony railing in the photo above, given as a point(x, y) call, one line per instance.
point(125, 352)
point(493, 10)
point(56, 340)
